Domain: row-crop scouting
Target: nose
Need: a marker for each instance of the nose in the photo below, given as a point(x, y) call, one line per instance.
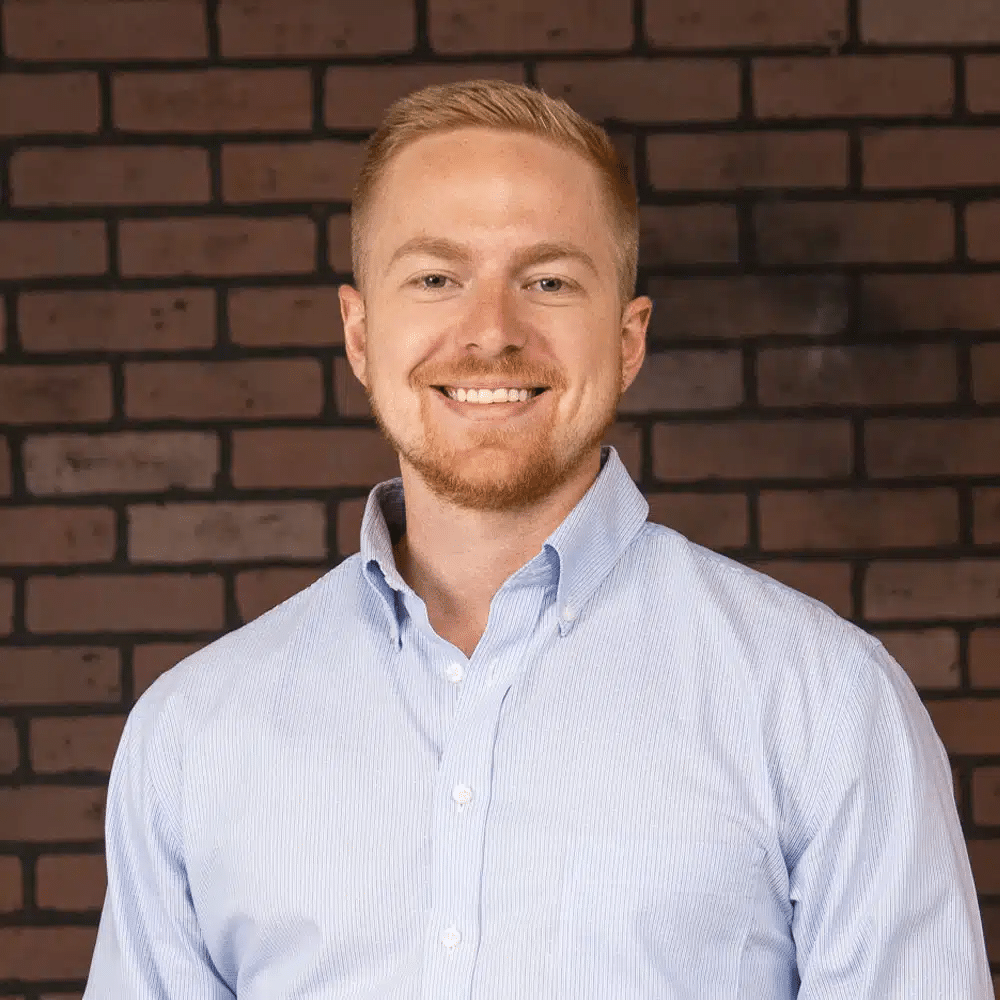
point(493, 325)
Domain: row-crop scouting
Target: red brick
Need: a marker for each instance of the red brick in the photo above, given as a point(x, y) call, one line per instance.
point(626, 439)
point(305, 171)
point(857, 519)
point(11, 895)
point(686, 380)
point(829, 583)
point(987, 516)
point(70, 881)
point(986, 373)
point(59, 536)
point(84, 744)
point(729, 23)
point(901, 302)
point(356, 97)
point(786, 449)
point(902, 22)
point(6, 606)
point(646, 90)
point(926, 158)
point(311, 458)
point(213, 100)
point(847, 86)
point(52, 249)
point(126, 462)
point(688, 234)
point(161, 602)
point(235, 390)
point(48, 813)
point(984, 856)
point(55, 394)
point(855, 232)
point(261, 28)
point(929, 656)
point(348, 392)
point(716, 520)
point(5, 473)
point(942, 589)
point(46, 952)
point(10, 753)
point(120, 175)
point(984, 658)
point(104, 29)
point(986, 795)
point(982, 222)
point(982, 83)
point(933, 447)
point(737, 160)
point(737, 308)
point(967, 726)
point(856, 376)
point(350, 514)
point(991, 931)
point(217, 247)
point(338, 242)
point(282, 317)
point(226, 532)
point(58, 675)
point(49, 103)
point(461, 26)
point(160, 320)
point(149, 661)
point(259, 590)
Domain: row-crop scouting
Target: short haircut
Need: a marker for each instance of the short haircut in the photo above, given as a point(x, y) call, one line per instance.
point(507, 107)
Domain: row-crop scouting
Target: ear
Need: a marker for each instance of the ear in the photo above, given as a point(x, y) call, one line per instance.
point(352, 313)
point(635, 321)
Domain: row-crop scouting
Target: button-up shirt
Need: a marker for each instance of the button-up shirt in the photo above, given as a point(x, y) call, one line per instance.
point(659, 775)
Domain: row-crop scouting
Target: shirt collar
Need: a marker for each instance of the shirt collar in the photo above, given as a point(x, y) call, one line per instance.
point(576, 557)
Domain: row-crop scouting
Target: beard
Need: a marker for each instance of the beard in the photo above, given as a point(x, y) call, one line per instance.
point(498, 469)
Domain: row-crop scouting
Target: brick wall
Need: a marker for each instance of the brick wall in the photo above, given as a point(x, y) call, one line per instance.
point(185, 444)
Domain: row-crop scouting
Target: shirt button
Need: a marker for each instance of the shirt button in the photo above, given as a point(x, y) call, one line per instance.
point(450, 937)
point(568, 613)
point(455, 672)
point(462, 794)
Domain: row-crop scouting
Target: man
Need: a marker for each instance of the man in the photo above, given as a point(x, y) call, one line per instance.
point(526, 744)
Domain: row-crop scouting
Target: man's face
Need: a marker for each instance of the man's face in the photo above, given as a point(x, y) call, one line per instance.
point(490, 263)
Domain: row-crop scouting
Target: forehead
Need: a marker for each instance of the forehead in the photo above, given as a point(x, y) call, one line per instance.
point(483, 181)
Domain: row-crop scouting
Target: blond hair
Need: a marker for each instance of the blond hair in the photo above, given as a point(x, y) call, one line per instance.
point(509, 107)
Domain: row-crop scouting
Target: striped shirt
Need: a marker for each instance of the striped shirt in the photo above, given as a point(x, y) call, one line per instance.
point(659, 775)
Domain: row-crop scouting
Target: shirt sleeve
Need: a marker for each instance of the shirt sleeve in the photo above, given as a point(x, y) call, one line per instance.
point(884, 904)
point(149, 946)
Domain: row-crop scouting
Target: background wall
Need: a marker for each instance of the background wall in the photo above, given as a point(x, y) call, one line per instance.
point(184, 442)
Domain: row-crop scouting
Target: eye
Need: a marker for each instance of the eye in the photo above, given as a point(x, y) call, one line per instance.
point(432, 282)
point(551, 284)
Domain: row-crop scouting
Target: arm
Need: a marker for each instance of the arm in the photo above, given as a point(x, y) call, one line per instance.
point(884, 903)
point(148, 944)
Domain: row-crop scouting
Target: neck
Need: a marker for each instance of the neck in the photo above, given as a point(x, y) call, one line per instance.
point(457, 559)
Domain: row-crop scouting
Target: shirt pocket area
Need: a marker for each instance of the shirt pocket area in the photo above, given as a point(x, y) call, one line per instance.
point(662, 916)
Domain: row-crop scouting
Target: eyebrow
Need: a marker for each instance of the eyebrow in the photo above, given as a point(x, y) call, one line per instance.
point(537, 253)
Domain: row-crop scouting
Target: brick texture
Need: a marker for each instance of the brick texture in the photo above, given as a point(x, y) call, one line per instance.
point(49, 104)
point(314, 28)
point(183, 444)
point(119, 176)
point(849, 86)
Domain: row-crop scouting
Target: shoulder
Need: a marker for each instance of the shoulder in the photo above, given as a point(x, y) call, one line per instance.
point(196, 686)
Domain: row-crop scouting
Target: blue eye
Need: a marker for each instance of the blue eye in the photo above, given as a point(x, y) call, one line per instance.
point(433, 281)
point(550, 284)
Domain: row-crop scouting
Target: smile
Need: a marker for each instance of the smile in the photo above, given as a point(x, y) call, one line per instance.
point(492, 409)
point(490, 396)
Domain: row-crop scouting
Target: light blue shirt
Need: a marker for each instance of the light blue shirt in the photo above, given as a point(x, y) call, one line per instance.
point(660, 775)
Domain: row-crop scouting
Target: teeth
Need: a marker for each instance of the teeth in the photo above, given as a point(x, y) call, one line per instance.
point(489, 395)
